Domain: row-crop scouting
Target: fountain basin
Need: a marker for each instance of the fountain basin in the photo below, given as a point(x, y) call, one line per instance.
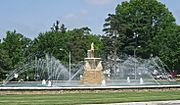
point(77, 83)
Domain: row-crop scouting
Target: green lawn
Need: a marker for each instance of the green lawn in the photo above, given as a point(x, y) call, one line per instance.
point(87, 98)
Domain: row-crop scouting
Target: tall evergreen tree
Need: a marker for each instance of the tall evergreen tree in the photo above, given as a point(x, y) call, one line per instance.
point(139, 23)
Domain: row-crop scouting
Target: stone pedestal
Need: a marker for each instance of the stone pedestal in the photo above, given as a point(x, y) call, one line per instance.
point(93, 77)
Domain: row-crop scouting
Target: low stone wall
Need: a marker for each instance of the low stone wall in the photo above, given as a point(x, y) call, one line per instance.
point(62, 90)
point(82, 91)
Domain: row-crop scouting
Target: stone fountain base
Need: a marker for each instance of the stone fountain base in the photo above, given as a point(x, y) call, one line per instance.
point(93, 76)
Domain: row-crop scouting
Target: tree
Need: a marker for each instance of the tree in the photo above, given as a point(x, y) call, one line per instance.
point(57, 28)
point(76, 41)
point(50, 42)
point(143, 28)
point(115, 33)
point(63, 28)
point(170, 51)
point(138, 23)
point(15, 45)
point(5, 64)
point(13, 50)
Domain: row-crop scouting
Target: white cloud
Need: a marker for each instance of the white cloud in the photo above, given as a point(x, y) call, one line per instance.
point(75, 19)
point(70, 16)
point(83, 12)
point(75, 16)
point(99, 2)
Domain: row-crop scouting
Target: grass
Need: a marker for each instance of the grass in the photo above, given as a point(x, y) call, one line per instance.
point(86, 98)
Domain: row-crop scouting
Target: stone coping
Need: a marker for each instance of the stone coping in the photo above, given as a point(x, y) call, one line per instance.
point(93, 88)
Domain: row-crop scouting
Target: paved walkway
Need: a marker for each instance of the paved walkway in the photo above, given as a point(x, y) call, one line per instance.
point(173, 102)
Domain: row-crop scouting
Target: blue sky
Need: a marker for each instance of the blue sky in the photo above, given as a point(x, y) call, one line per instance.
point(31, 17)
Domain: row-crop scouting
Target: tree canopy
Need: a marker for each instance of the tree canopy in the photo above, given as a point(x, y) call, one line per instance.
point(143, 28)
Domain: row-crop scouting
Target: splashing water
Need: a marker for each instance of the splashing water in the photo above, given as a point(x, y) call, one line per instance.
point(49, 71)
point(46, 69)
point(141, 71)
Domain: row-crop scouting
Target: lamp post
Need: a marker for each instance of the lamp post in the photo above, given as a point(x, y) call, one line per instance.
point(69, 61)
point(135, 37)
point(69, 65)
point(135, 70)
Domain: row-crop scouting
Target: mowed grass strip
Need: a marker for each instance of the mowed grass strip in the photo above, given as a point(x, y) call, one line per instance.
point(86, 98)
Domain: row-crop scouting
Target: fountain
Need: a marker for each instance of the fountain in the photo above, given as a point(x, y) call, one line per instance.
point(93, 69)
point(49, 83)
point(127, 71)
point(103, 83)
point(15, 75)
point(48, 69)
point(141, 71)
point(128, 80)
point(43, 82)
point(141, 81)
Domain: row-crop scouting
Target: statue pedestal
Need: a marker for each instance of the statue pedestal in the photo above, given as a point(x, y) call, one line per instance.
point(92, 76)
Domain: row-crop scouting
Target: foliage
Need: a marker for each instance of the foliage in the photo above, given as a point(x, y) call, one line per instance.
point(170, 51)
point(61, 43)
point(12, 51)
point(15, 45)
point(5, 63)
point(138, 22)
point(142, 28)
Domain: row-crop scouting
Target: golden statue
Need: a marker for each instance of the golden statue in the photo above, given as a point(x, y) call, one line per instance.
point(92, 46)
